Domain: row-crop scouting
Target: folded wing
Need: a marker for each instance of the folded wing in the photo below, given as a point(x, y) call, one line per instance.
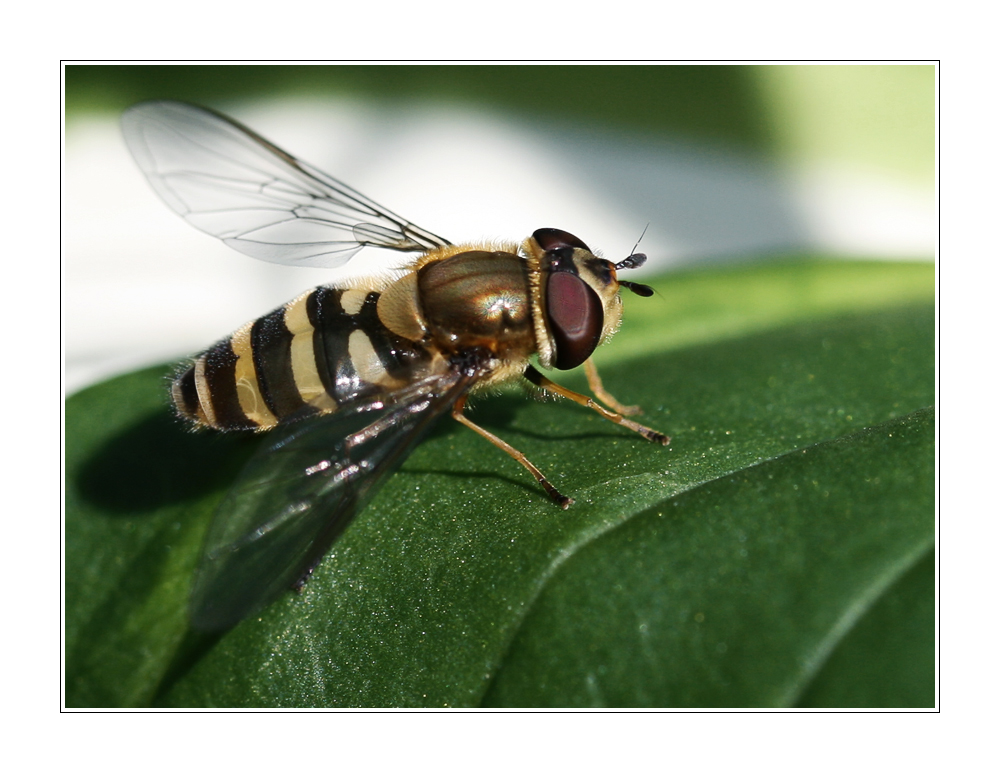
point(300, 491)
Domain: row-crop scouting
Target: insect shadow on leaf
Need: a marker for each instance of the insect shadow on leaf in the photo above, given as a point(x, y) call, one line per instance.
point(158, 462)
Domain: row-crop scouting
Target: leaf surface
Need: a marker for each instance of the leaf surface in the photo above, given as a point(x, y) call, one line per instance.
point(762, 559)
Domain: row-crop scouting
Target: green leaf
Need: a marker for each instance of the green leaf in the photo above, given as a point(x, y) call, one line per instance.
point(765, 558)
point(888, 657)
point(733, 593)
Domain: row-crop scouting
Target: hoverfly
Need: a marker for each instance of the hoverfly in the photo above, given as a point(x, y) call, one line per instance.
point(371, 361)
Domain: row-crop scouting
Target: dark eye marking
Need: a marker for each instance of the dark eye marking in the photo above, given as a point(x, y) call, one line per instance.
point(600, 269)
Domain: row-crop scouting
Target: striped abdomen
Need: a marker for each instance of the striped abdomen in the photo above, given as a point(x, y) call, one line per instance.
point(324, 349)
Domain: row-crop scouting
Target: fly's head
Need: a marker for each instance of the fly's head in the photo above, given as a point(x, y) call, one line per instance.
point(575, 296)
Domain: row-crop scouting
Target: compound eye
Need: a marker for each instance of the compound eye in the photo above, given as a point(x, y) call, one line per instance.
point(576, 318)
point(550, 239)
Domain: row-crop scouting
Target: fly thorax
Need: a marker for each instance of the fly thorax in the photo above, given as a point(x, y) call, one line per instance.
point(477, 299)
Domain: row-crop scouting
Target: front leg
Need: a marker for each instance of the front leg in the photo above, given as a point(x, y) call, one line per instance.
point(536, 378)
point(597, 387)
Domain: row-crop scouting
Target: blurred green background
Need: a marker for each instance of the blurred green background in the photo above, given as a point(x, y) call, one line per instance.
point(877, 116)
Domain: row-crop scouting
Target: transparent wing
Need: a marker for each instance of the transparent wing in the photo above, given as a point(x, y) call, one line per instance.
point(299, 492)
point(235, 185)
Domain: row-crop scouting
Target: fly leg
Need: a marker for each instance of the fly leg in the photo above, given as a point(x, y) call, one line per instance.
point(538, 379)
point(560, 499)
point(597, 387)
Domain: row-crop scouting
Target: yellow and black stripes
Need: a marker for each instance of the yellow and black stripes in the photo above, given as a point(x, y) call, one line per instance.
point(323, 349)
point(271, 341)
